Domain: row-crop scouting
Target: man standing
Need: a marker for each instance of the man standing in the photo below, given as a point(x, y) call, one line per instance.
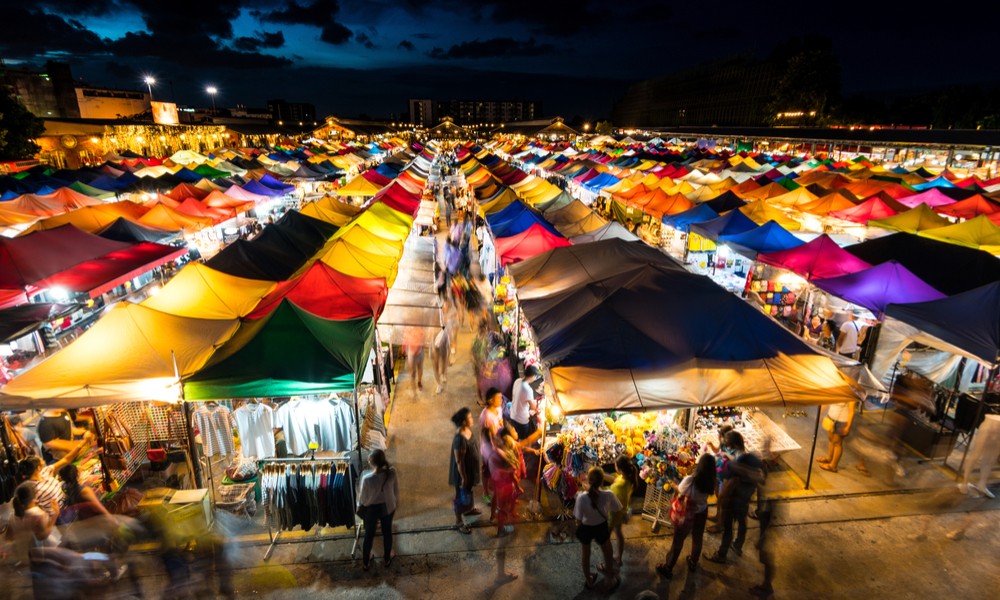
point(847, 341)
point(55, 432)
point(747, 474)
point(524, 405)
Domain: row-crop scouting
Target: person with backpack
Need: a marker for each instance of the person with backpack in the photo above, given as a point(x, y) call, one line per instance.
point(689, 512)
point(747, 473)
point(592, 510)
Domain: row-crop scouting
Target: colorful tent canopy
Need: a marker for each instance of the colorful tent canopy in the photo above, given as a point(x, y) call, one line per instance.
point(358, 262)
point(978, 232)
point(288, 352)
point(612, 230)
point(168, 219)
point(732, 223)
point(327, 293)
point(872, 209)
point(30, 259)
point(359, 186)
point(129, 355)
point(877, 287)
point(969, 321)
point(769, 237)
point(696, 214)
point(200, 292)
point(624, 348)
point(932, 197)
point(969, 208)
point(725, 202)
point(912, 221)
point(932, 261)
point(104, 273)
point(762, 212)
point(522, 221)
point(818, 259)
point(330, 209)
point(19, 321)
point(534, 240)
point(92, 218)
point(123, 230)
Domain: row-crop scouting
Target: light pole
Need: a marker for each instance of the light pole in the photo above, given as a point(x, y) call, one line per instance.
point(149, 84)
point(211, 90)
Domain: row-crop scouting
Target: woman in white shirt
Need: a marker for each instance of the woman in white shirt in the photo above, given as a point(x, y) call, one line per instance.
point(379, 490)
point(592, 510)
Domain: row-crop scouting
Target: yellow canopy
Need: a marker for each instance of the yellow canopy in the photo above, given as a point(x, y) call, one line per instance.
point(979, 232)
point(500, 202)
point(683, 187)
point(330, 209)
point(351, 260)
point(91, 218)
point(543, 195)
point(795, 199)
point(200, 292)
point(702, 194)
point(168, 219)
point(359, 186)
point(380, 220)
point(621, 186)
point(760, 213)
point(128, 355)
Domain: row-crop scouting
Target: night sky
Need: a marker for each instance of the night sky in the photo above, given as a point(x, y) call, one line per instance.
point(576, 56)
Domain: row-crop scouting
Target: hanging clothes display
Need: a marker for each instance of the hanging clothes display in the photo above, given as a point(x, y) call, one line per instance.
point(325, 422)
point(319, 494)
point(255, 422)
point(215, 423)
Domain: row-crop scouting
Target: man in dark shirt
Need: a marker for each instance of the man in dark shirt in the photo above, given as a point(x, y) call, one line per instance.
point(55, 432)
point(747, 474)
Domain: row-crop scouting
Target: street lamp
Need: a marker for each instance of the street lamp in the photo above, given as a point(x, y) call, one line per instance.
point(149, 84)
point(212, 90)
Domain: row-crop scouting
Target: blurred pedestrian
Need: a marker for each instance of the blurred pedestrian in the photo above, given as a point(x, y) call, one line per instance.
point(692, 499)
point(413, 344)
point(464, 470)
point(837, 423)
point(592, 509)
point(622, 487)
point(735, 498)
point(506, 471)
point(379, 491)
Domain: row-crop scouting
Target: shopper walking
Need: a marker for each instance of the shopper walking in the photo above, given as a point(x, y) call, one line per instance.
point(837, 423)
point(735, 498)
point(464, 469)
point(379, 491)
point(622, 487)
point(592, 510)
point(506, 471)
point(691, 514)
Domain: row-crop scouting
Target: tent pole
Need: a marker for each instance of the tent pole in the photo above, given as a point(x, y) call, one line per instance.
point(192, 455)
point(812, 453)
point(357, 425)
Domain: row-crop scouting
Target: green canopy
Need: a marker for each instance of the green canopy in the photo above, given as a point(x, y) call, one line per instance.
point(624, 214)
point(93, 192)
point(210, 172)
point(289, 352)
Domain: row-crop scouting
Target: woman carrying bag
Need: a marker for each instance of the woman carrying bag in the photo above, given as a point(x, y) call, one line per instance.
point(591, 512)
point(689, 512)
point(377, 505)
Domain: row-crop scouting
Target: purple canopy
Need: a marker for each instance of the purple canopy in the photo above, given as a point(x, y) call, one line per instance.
point(877, 287)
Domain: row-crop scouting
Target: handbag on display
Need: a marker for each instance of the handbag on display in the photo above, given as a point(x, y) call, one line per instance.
point(156, 454)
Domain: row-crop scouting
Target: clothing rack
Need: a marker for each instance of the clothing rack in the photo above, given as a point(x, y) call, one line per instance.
point(274, 537)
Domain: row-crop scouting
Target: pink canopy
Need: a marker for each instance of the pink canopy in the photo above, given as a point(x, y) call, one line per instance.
point(819, 259)
point(533, 240)
point(871, 209)
point(241, 194)
point(932, 197)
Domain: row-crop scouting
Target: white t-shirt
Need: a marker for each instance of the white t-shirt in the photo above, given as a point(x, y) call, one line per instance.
point(585, 512)
point(520, 411)
point(687, 488)
point(848, 340)
point(839, 412)
point(255, 423)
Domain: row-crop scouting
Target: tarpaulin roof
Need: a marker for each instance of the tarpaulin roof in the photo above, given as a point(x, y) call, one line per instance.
point(696, 214)
point(92, 218)
point(769, 237)
point(616, 343)
point(969, 321)
point(562, 200)
point(328, 293)
point(611, 230)
point(128, 355)
point(19, 321)
point(520, 222)
point(932, 197)
point(762, 212)
point(382, 221)
point(29, 259)
point(168, 219)
point(818, 259)
point(359, 186)
point(288, 352)
point(123, 230)
point(331, 210)
point(872, 209)
point(974, 233)
point(200, 292)
point(358, 262)
point(725, 201)
point(912, 221)
point(970, 207)
point(877, 287)
point(534, 240)
point(99, 275)
point(732, 223)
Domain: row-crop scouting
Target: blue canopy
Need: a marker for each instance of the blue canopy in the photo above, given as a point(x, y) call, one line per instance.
point(695, 214)
point(510, 211)
point(970, 321)
point(602, 180)
point(521, 223)
point(188, 175)
point(769, 237)
point(255, 187)
point(274, 184)
point(731, 223)
point(940, 182)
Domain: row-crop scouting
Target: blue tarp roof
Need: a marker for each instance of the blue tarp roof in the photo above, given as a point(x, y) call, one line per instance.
point(520, 223)
point(602, 180)
point(940, 182)
point(731, 223)
point(970, 321)
point(769, 237)
point(695, 214)
point(273, 183)
point(255, 187)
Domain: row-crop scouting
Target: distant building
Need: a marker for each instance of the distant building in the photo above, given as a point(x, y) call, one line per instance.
point(549, 129)
point(243, 111)
point(473, 112)
point(48, 93)
point(423, 113)
point(730, 91)
point(293, 112)
point(97, 103)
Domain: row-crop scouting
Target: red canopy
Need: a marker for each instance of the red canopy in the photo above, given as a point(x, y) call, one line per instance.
point(533, 240)
point(375, 177)
point(29, 259)
point(195, 208)
point(184, 191)
point(113, 269)
point(972, 206)
point(869, 210)
point(328, 293)
point(818, 259)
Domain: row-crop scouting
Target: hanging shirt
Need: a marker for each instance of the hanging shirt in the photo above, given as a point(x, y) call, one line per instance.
point(216, 427)
point(327, 423)
point(255, 423)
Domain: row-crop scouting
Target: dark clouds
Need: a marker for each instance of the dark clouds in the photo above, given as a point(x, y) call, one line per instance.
point(259, 40)
point(321, 13)
point(407, 45)
point(494, 48)
point(28, 33)
point(364, 40)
